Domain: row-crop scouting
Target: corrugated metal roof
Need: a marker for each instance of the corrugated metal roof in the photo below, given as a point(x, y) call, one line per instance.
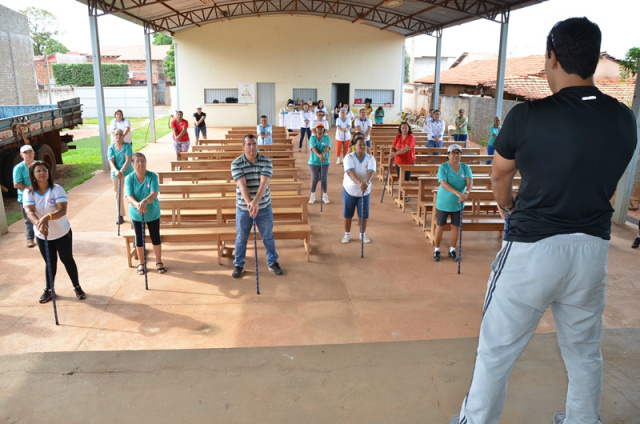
point(406, 17)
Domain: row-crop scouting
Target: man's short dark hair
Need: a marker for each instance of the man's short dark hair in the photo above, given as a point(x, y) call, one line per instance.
point(244, 140)
point(576, 43)
point(264, 116)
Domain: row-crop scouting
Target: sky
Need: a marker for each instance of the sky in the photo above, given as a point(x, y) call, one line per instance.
point(527, 28)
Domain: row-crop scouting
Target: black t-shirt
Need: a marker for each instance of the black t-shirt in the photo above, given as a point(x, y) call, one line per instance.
point(197, 116)
point(571, 149)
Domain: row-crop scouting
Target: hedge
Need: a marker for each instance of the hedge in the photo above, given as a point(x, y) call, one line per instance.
point(81, 74)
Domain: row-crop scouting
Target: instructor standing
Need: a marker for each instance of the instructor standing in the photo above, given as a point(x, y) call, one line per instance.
point(252, 172)
point(556, 251)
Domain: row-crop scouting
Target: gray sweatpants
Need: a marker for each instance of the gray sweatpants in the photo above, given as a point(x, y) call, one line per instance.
point(566, 272)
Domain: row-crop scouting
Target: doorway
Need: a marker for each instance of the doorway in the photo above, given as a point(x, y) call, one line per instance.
point(339, 93)
point(266, 99)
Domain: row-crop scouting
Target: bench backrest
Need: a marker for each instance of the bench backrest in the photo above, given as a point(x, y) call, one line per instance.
point(223, 189)
point(197, 175)
point(225, 163)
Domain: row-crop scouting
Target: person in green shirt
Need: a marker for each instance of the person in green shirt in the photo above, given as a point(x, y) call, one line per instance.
point(462, 123)
point(119, 156)
point(320, 145)
point(22, 182)
point(141, 190)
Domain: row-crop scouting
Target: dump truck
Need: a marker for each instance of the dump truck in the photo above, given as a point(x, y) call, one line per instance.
point(39, 126)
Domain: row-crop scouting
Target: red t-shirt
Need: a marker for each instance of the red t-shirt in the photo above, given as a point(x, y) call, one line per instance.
point(179, 127)
point(409, 157)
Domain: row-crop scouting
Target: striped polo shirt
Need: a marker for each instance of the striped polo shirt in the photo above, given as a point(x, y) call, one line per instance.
point(242, 168)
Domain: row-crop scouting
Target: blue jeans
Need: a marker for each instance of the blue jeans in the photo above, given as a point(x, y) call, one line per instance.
point(433, 143)
point(27, 224)
point(461, 138)
point(244, 225)
point(199, 130)
point(304, 131)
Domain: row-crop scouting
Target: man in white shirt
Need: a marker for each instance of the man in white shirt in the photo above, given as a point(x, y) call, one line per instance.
point(435, 130)
point(306, 116)
point(363, 125)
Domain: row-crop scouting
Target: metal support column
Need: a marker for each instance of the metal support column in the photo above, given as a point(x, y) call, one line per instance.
point(399, 101)
point(436, 85)
point(105, 140)
point(147, 54)
point(625, 185)
point(502, 63)
point(177, 81)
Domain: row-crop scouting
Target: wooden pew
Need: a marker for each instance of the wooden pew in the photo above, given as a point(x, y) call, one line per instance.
point(216, 229)
point(224, 174)
point(476, 218)
point(223, 189)
point(237, 147)
point(224, 163)
point(232, 155)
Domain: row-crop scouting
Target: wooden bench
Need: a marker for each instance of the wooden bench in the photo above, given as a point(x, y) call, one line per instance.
point(216, 229)
point(223, 189)
point(232, 154)
point(224, 174)
point(474, 218)
point(236, 147)
point(225, 163)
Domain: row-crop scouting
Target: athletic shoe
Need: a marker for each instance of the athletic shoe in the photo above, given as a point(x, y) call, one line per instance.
point(237, 271)
point(455, 419)
point(46, 296)
point(79, 292)
point(325, 198)
point(338, 161)
point(120, 220)
point(406, 198)
point(275, 267)
point(312, 199)
point(30, 243)
point(365, 239)
point(346, 239)
point(636, 243)
point(452, 255)
point(559, 417)
point(436, 256)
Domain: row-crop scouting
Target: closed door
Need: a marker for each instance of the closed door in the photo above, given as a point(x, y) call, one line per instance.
point(266, 98)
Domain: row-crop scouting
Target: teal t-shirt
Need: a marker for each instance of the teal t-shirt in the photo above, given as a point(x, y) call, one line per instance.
point(120, 157)
point(493, 134)
point(460, 121)
point(320, 145)
point(132, 187)
point(447, 201)
point(21, 175)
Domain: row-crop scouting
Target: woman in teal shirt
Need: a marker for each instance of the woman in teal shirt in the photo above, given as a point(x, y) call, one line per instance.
point(141, 189)
point(493, 134)
point(320, 145)
point(379, 115)
point(119, 157)
point(455, 180)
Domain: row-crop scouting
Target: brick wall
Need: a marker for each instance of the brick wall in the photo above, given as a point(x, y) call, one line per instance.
point(17, 74)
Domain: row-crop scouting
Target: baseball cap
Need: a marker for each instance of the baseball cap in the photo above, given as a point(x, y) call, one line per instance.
point(319, 124)
point(199, 107)
point(25, 148)
point(454, 147)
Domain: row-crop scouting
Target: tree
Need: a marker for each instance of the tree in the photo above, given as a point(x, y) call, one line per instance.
point(629, 65)
point(159, 39)
point(407, 68)
point(43, 28)
point(170, 64)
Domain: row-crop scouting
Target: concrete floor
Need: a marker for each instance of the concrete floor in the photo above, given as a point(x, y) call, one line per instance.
point(387, 338)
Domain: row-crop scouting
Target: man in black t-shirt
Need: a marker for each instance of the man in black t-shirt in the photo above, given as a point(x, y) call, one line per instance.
point(199, 126)
point(555, 252)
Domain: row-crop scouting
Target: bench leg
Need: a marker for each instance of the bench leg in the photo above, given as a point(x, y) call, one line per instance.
point(306, 243)
point(219, 252)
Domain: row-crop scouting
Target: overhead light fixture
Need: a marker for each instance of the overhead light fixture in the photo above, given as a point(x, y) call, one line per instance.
point(359, 21)
point(392, 3)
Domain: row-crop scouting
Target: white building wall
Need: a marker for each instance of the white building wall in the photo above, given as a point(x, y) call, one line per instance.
point(131, 100)
point(290, 51)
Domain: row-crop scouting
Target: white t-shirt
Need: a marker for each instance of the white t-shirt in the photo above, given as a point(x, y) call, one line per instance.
point(344, 124)
point(318, 109)
point(122, 125)
point(306, 116)
point(46, 203)
point(363, 126)
point(351, 161)
point(315, 122)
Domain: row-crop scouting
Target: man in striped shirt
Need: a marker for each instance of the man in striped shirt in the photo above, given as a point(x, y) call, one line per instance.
point(252, 172)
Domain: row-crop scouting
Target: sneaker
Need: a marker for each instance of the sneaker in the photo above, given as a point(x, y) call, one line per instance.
point(455, 419)
point(346, 239)
point(452, 255)
point(79, 292)
point(364, 239)
point(559, 417)
point(338, 161)
point(30, 243)
point(636, 243)
point(406, 198)
point(237, 271)
point(436, 256)
point(275, 267)
point(325, 198)
point(312, 199)
point(46, 296)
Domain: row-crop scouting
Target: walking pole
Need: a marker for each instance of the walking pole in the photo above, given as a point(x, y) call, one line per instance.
point(50, 272)
point(460, 241)
point(119, 196)
point(361, 226)
point(321, 186)
point(255, 247)
point(144, 254)
point(386, 178)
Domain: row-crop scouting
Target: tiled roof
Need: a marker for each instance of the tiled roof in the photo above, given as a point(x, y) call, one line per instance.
point(131, 53)
point(485, 70)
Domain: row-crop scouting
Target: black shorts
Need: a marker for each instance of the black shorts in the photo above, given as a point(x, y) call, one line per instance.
point(441, 218)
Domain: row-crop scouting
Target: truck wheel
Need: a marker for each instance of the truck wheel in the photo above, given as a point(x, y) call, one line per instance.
point(45, 154)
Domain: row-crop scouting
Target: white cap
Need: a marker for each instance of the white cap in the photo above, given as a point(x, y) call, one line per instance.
point(25, 148)
point(454, 147)
point(199, 107)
